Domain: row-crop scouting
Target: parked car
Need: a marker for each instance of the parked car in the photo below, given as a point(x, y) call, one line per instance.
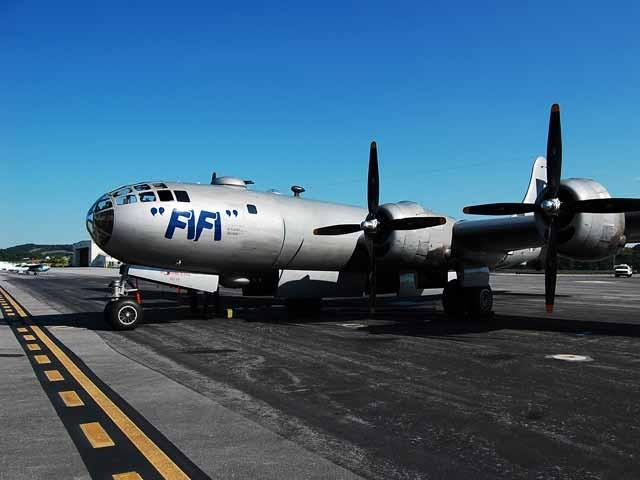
point(623, 270)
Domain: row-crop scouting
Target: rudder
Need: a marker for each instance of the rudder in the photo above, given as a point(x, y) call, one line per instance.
point(538, 180)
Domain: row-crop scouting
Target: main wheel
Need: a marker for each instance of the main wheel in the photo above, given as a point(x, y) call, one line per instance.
point(479, 301)
point(123, 314)
point(453, 299)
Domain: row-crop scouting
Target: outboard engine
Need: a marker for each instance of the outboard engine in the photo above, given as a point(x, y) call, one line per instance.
point(588, 236)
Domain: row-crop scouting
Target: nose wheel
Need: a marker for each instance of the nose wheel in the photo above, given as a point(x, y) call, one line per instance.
point(123, 313)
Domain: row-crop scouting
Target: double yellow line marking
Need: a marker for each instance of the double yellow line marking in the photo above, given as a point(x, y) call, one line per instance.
point(94, 432)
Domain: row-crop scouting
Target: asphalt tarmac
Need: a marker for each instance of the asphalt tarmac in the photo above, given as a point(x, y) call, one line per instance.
point(407, 395)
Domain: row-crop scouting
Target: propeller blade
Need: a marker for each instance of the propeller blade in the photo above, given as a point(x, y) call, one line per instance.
point(500, 209)
point(551, 266)
point(554, 152)
point(338, 229)
point(372, 278)
point(373, 181)
point(414, 223)
point(606, 205)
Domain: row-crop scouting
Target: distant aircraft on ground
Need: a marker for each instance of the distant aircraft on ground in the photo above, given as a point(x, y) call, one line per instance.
point(37, 268)
point(34, 268)
point(203, 236)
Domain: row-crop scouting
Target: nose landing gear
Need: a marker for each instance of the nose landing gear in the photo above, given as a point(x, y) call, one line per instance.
point(123, 311)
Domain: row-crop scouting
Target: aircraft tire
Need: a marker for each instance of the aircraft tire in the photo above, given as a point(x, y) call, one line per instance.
point(453, 299)
point(479, 301)
point(123, 314)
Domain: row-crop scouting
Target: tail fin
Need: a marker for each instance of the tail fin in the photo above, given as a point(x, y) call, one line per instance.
point(538, 180)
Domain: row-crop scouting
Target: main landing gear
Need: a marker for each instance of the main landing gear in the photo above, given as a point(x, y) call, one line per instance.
point(474, 302)
point(124, 310)
point(206, 303)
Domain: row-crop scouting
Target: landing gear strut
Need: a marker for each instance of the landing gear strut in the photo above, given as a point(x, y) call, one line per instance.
point(474, 302)
point(206, 304)
point(123, 311)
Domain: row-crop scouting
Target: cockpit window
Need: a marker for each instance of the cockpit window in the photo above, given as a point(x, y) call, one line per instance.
point(147, 197)
point(252, 209)
point(159, 185)
point(182, 196)
point(103, 204)
point(118, 189)
point(126, 200)
point(142, 186)
point(121, 191)
point(165, 195)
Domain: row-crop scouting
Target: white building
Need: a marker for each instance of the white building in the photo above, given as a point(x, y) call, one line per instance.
point(87, 254)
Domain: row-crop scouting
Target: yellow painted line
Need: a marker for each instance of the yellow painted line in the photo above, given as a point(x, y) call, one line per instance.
point(10, 314)
point(13, 302)
point(162, 463)
point(29, 338)
point(22, 330)
point(34, 347)
point(96, 435)
point(126, 476)
point(54, 375)
point(42, 359)
point(71, 398)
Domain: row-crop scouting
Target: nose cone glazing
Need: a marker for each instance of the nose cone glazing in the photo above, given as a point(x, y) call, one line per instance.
point(100, 220)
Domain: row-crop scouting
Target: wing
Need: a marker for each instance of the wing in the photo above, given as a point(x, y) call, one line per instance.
point(486, 242)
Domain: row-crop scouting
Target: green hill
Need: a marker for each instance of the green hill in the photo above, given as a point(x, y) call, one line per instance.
point(33, 251)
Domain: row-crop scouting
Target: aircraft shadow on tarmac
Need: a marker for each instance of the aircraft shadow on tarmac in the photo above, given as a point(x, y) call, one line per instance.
point(392, 317)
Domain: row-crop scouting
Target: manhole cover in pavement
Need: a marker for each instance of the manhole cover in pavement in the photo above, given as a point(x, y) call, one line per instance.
point(570, 357)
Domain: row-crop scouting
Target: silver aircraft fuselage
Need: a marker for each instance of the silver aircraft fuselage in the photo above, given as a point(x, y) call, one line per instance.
point(227, 228)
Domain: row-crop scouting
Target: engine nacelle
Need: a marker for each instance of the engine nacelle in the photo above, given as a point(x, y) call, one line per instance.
point(588, 236)
point(426, 247)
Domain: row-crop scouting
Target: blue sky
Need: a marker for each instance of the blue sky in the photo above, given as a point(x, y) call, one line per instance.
point(97, 94)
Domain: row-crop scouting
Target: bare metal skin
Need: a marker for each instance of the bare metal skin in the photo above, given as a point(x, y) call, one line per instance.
point(280, 236)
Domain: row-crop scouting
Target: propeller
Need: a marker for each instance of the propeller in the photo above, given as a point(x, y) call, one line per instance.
point(548, 206)
point(374, 225)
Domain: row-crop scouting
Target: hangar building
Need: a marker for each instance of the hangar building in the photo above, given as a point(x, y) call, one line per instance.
point(87, 254)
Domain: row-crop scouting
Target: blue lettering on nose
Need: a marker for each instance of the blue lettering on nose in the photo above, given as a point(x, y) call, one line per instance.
point(203, 224)
point(177, 222)
point(186, 219)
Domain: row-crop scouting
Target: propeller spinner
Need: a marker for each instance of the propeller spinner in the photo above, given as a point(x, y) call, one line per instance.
point(375, 224)
point(549, 207)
